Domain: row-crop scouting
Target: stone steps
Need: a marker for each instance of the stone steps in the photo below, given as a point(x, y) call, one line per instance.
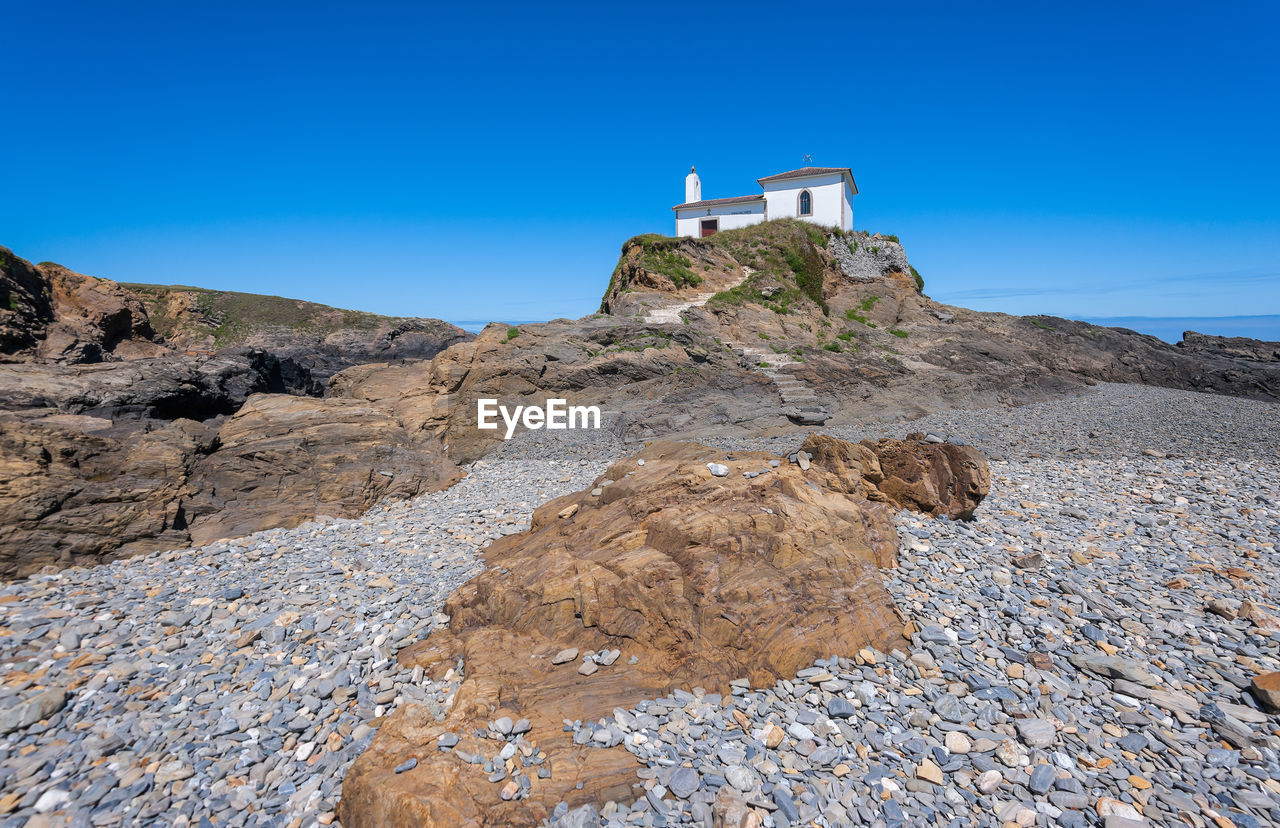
point(674, 314)
point(801, 401)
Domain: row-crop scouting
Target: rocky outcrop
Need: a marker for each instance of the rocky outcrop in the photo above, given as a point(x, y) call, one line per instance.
point(322, 339)
point(50, 313)
point(653, 270)
point(873, 346)
point(114, 443)
point(688, 567)
point(54, 315)
point(164, 388)
point(78, 489)
point(283, 459)
point(1235, 347)
point(648, 380)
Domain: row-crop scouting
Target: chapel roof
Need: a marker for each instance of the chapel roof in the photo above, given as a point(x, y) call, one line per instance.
point(805, 172)
point(717, 202)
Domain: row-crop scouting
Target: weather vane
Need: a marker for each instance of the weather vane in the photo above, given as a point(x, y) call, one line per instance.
point(808, 159)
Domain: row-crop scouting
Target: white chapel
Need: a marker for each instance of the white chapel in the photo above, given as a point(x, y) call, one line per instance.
point(822, 195)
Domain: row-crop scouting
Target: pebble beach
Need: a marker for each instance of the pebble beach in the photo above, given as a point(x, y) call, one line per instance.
point(1083, 656)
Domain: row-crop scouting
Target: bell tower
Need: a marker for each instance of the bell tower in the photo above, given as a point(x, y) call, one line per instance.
point(692, 186)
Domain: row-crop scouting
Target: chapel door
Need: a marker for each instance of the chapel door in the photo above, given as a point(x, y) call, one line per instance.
point(710, 226)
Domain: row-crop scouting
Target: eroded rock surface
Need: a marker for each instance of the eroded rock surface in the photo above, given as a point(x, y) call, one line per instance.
point(283, 459)
point(79, 490)
point(677, 577)
point(1238, 347)
point(114, 399)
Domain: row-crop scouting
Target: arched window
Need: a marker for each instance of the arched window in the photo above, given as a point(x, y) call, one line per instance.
point(806, 203)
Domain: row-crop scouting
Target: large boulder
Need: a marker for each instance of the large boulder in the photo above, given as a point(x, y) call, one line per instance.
point(284, 459)
point(78, 490)
point(697, 577)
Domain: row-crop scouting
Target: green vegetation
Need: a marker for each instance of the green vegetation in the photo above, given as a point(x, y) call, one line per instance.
point(11, 301)
point(846, 336)
point(785, 257)
point(512, 333)
point(661, 255)
point(816, 237)
point(898, 332)
point(232, 315)
point(833, 347)
point(763, 335)
point(807, 267)
point(890, 237)
point(1040, 324)
point(915, 274)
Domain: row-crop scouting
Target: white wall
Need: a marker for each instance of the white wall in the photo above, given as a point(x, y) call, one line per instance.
point(832, 201)
point(732, 216)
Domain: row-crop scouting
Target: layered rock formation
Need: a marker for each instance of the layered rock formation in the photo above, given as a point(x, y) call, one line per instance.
point(51, 313)
point(843, 312)
point(113, 442)
point(647, 379)
point(314, 457)
point(1236, 347)
point(78, 489)
point(322, 339)
point(847, 310)
point(695, 579)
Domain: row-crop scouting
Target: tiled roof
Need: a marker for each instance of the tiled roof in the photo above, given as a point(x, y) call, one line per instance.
point(717, 202)
point(805, 172)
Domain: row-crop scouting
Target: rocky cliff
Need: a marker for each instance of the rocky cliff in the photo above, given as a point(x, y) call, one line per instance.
point(322, 339)
point(135, 418)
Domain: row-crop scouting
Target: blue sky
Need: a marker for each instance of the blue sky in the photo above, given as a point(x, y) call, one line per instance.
point(476, 161)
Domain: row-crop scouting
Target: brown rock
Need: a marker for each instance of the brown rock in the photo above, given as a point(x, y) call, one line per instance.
point(935, 478)
point(77, 490)
point(1266, 689)
point(61, 316)
point(1259, 617)
point(705, 578)
point(730, 810)
point(283, 459)
point(1220, 608)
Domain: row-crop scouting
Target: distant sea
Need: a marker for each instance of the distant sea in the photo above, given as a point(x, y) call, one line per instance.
point(1170, 328)
point(476, 326)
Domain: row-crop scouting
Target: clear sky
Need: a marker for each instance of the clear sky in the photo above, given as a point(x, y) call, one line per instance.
point(481, 161)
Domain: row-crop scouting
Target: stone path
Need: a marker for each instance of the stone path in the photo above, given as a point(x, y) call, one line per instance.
point(801, 400)
point(802, 403)
point(673, 313)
